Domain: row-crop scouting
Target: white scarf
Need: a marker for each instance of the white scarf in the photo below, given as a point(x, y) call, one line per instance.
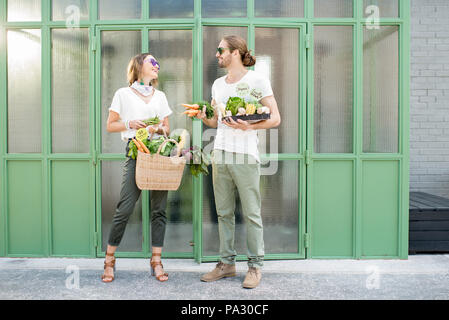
point(142, 89)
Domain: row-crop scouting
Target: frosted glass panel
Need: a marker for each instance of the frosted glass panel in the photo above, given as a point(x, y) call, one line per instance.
point(211, 38)
point(333, 70)
point(117, 49)
point(171, 9)
point(119, 9)
point(387, 8)
point(381, 89)
point(24, 91)
point(333, 8)
point(280, 212)
point(24, 10)
point(111, 181)
point(279, 8)
point(220, 9)
point(70, 10)
point(277, 58)
point(173, 50)
point(70, 94)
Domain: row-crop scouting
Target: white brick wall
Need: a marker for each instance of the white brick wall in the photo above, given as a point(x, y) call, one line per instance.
point(429, 101)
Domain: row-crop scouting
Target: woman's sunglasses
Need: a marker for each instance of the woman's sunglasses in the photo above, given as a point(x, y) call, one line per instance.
point(153, 62)
point(220, 50)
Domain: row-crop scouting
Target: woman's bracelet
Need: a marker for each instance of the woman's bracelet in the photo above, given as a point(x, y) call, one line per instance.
point(127, 125)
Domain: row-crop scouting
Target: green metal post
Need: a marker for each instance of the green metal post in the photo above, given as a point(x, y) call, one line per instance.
point(3, 128)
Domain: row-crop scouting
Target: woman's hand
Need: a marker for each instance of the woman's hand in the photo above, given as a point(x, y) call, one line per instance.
point(153, 129)
point(137, 124)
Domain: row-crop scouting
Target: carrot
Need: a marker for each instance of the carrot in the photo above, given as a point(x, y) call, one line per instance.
point(191, 106)
point(144, 147)
point(138, 145)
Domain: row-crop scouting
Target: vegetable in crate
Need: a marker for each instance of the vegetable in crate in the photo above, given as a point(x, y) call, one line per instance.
point(234, 103)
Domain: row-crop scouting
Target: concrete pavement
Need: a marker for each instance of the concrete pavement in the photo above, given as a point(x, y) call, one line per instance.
point(419, 277)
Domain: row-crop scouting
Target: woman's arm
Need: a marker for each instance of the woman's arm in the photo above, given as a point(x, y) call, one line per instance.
point(114, 124)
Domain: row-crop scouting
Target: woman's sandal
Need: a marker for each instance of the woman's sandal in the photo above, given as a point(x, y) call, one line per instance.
point(154, 264)
point(110, 264)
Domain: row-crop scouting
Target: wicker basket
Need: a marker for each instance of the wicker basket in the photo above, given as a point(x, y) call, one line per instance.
point(156, 172)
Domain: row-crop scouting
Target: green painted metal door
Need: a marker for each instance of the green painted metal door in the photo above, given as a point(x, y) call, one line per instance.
point(356, 201)
point(280, 52)
point(173, 47)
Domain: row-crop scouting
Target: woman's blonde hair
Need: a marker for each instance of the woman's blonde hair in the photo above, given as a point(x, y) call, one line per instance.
point(135, 69)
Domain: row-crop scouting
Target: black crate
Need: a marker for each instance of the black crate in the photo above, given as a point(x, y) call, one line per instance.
point(250, 117)
point(429, 223)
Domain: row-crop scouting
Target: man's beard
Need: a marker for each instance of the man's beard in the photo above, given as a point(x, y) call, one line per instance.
point(224, 63)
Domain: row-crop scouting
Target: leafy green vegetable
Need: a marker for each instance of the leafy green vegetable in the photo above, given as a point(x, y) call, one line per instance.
point(209, 108)
point(152, 121)
point(234, 103)
point(197, 160)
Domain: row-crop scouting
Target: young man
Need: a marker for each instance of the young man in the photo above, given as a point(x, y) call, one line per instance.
point(239, 140)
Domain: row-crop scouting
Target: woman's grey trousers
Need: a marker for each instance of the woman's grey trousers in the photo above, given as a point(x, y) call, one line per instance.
point(125, 207)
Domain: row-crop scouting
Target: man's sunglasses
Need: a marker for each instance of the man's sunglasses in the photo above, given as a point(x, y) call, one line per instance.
point(220, 50)
point(153, 62)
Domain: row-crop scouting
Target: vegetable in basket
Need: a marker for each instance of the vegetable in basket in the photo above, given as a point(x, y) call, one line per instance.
point(197, 160)
point(151, 146)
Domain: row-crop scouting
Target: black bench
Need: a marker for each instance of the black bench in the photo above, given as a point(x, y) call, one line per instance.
point(429, 223)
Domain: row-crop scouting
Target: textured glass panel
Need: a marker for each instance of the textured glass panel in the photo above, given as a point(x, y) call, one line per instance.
point(70, 10)
point(280, 212)
point(220, 9)
point(171, 9)
point(333, 89)
point(24, 10)
point(24, 91)
point(70, 96)
point(333, 8)
point(279, 8)
point(119, 9)
point(117, 49)
point(111, 181)
point(381, 90)
point(387, 8)
point(277, 57)
point(211, 38)
point(173, 50)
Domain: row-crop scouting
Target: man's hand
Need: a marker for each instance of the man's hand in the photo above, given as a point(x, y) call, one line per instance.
point(202, 114)
point(240, 124)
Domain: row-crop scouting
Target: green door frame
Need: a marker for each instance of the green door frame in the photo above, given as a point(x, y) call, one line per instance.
point(306, 157)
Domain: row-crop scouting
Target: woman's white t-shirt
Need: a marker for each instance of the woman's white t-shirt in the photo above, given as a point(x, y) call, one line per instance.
point(131, 107)
point(252, 86)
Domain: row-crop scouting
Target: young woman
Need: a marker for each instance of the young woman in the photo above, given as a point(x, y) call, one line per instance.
point(130, 106)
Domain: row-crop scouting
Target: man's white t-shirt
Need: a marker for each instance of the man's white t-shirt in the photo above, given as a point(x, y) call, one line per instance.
point(131, 107)
point(252, 86)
